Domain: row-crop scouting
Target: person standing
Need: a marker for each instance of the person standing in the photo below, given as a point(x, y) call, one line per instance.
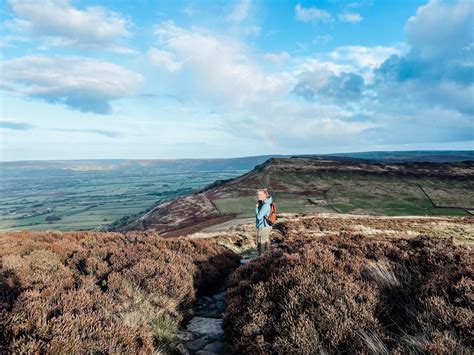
point(263, 210)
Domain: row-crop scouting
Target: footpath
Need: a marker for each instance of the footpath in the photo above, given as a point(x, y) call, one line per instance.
point(203, 334)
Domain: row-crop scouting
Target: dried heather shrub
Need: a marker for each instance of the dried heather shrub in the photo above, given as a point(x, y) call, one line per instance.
point(347, 293)
point(97, 292)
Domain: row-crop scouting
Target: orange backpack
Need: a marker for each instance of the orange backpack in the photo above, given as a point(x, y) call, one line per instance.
point(272, 217)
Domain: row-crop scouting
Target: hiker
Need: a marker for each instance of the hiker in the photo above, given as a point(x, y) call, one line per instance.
point(265, 216)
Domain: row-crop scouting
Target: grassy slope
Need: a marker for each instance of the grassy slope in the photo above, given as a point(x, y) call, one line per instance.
point(358, 193)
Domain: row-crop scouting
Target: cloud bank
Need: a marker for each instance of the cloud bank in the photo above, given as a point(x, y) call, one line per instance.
point(80, 83)
point(61, 24)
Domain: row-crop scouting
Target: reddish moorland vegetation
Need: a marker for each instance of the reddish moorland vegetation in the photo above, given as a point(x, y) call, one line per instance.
point(349, 293)
point(101, 292)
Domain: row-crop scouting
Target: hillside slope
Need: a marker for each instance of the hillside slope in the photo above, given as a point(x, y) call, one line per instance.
point(314, 185)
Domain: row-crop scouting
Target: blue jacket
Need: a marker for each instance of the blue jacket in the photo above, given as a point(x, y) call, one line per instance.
point(263, 212)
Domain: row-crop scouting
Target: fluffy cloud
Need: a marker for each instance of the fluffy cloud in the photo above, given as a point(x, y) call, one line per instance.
point(351, 17)
point(442, 28)
point(325, 86)
point(364, 59)
point(421, 92)
point(438, 70)
point(353, 94)
point(163, 59)
point(60, 23)
point(80, 83)
point(247, 96)
point(215, 67)
point(277, 58)
point(240, 11)
point(311, 14)
point(344, 77)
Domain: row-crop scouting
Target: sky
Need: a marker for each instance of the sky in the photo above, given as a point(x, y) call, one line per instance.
point(157, 79)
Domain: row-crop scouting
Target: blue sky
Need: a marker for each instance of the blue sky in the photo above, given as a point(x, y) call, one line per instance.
point(182, 79)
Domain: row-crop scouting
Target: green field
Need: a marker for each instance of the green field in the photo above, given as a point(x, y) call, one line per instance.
point(85, 199)
point(359, 194)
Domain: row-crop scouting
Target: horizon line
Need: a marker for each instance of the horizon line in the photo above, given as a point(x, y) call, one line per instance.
point(242, 157)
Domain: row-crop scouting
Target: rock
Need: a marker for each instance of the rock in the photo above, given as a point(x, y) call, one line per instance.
point(209, 327)
point(185, 336)
point(182, 349)
point(215, 347)
point(205, 352)
point(197, 344)
point(219, 296)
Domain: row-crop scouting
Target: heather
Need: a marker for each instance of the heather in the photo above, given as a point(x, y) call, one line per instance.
point(102, 292)
point(345, 292)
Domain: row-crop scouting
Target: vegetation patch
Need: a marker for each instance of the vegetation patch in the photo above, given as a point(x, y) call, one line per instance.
point(98, 292)
point(349, 293)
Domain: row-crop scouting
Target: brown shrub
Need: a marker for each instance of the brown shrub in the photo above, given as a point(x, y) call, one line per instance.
point(352, 294)
point(101, 292)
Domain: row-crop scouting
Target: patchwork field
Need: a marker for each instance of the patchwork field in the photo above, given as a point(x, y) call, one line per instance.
point(92, 196)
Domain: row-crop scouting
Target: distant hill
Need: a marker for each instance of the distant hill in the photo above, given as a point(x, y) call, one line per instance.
point(241, 163)
point(308, 185)
point(436, 156)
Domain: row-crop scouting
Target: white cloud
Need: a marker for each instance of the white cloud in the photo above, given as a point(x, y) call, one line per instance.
point(164, 59)
point(277, 58)
point(364, 60)
point(438, 69)
point(322, 39)
point(314, 65)
point(327, 98)
point(218, 67)
point(442, 27)
point(81, 83)
point(364, 57)
point(351, 17)
point(311, 14)
point(223, 71)
point(242, 19)
point(61, 24)
point(240, 11)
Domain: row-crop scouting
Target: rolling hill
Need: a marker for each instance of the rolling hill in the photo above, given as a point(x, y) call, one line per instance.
point(316, 184)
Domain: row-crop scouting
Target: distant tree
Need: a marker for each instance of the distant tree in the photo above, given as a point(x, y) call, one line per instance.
point(52, 218)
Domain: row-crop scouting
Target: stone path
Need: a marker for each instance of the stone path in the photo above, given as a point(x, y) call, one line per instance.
point(203, 334)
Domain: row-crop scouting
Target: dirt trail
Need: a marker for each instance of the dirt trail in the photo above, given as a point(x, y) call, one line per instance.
point(226, 225)
point(203, 334)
